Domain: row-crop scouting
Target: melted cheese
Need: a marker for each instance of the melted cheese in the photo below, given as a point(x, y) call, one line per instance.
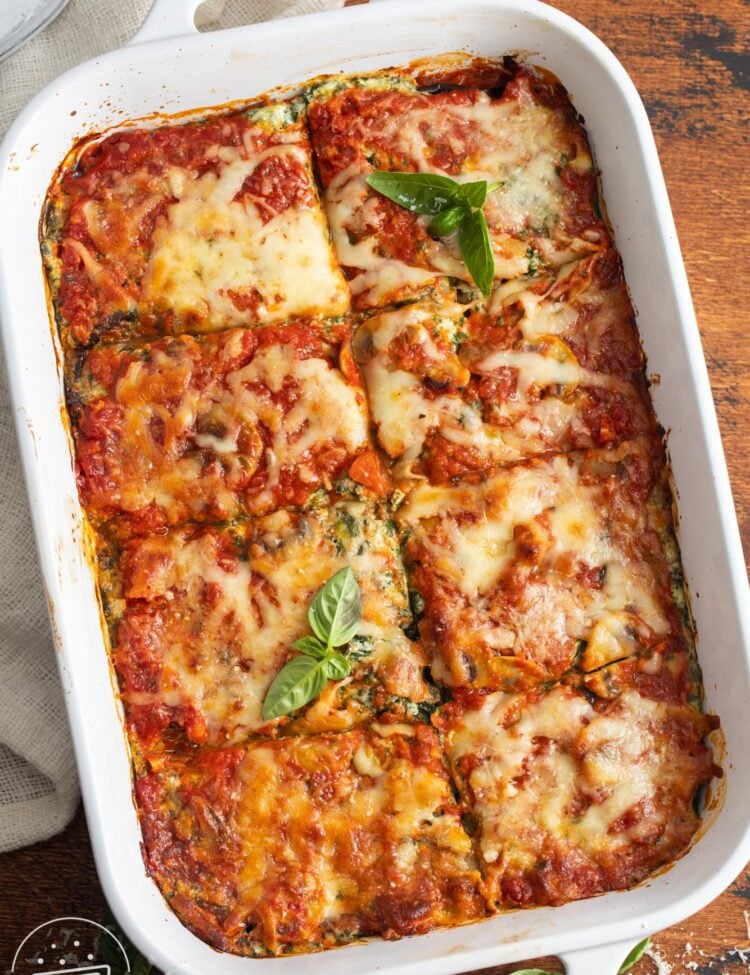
point(541, 370)
point(369, 833)
point(325, 408)
point(382, 276)
point(623, 761)
point(211, 246)
point(401, 410)
point(542, 314)
point(552, 776)
point(475, 554)
point(513, 809)
point(505, 556)
point(228, 417)
point(516, 142)
point(546, 410)
point(226, 627)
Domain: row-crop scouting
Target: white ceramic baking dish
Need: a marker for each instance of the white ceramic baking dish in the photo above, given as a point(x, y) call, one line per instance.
point(171, 68)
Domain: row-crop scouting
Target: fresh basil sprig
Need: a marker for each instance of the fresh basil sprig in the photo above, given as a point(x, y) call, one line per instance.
point(474, 241)
point(334, 615)
point(453, 207)
point(635, 955)
point(137, 964)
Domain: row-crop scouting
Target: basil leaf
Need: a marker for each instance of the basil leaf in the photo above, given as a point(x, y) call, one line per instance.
point(474, 193)
point(432, 194)
point(311, 646)
point(140, 966)
point(111, 954)
point(426, 193)
point(335, 610)
point(337, 667)
point(447, 221)
point(476, 250)
point(635, 955)
point(298, 681)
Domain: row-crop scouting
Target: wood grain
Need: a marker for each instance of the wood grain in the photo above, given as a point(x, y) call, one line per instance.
point(690, 64)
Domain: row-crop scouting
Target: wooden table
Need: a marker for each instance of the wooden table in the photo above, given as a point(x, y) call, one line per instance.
point(689, 62)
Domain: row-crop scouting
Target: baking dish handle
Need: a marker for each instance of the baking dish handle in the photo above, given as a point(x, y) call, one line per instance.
point(604, 960)
point(168, 18)
point(171, 18)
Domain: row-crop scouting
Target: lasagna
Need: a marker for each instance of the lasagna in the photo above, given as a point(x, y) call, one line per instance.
point(204, 617)
point(547, 565)
point(575, 794)
point(522, 133)
point(275, 373)
point(215, 427)
point(193, 227)
point(550, 363)
point(309, 842)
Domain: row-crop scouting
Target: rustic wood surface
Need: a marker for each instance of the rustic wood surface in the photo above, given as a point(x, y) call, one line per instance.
point(689, 61)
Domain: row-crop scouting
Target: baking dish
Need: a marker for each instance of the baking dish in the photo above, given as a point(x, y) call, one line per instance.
point(169, 68)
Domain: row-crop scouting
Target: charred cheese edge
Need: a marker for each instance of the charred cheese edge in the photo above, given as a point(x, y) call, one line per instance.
point(390, 855)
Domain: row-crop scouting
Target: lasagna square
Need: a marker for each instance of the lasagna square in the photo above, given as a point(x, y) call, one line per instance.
point(556, 562)
point(304, 843)
point(191, 227)
point(574, 795)
point(550, 364)
point(215, 427)
point(203, 618)
point(523, 133)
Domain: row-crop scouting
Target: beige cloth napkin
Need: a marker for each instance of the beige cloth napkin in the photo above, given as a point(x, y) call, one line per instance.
point(38, 783)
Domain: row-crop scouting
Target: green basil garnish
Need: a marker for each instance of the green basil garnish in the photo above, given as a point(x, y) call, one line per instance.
point(476, 250)
point(334, 616)
point(447, 221)
point(337, 666)
point(475, 194)
point(311, 646)
point(635, 955)
point(299, 681)
point(453, 207)
point(420, 192)
point(335, 610)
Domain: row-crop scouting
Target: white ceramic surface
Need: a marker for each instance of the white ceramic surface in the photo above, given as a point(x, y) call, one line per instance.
point(167, 72)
